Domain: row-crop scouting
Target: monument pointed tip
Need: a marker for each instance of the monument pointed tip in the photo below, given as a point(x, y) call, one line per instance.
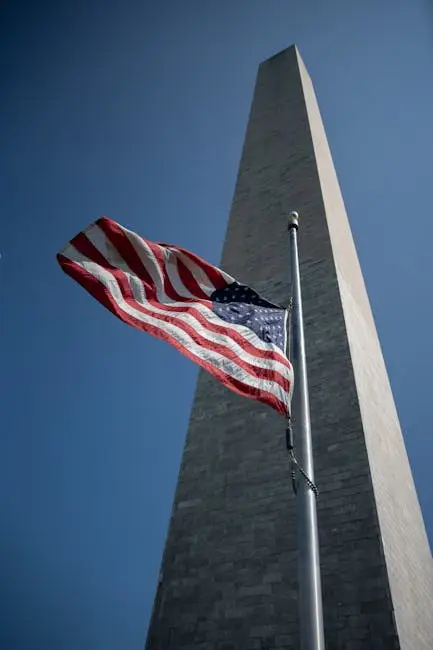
point(291, 50)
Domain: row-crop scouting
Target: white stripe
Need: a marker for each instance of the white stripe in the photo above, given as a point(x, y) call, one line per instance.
point(151, 265)
point(98, 239)
point(149, 262)
point(198, 273)
point(170, 263)
point(221, 362)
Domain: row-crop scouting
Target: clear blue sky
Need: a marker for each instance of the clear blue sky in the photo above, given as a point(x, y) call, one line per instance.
point(137, 110)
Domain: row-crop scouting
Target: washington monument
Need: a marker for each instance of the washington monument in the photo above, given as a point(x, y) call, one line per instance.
point(229, 577)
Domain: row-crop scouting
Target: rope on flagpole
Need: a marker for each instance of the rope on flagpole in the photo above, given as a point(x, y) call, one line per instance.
point(294, 464)
point(289, 329)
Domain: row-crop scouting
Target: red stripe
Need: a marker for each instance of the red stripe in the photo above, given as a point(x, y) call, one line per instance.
point(85, 246)
point(121, 242)
point(102, 294)
point(88, 249)
point(212, 272)
point(117, 236)
point(189, 280)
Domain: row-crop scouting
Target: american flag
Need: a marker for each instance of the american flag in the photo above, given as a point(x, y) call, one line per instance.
point(222, 325)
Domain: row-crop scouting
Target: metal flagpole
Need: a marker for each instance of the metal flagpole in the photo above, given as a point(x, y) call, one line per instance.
point(310, 592)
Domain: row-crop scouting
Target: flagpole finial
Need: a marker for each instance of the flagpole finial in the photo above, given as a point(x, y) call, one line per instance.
point(293, 220)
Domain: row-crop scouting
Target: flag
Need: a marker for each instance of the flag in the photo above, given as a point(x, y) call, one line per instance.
point(219, 323)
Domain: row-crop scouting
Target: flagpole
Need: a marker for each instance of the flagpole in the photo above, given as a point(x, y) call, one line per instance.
point(310, 592)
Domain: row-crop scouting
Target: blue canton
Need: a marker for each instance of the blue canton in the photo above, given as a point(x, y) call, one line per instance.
point(241, 305)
